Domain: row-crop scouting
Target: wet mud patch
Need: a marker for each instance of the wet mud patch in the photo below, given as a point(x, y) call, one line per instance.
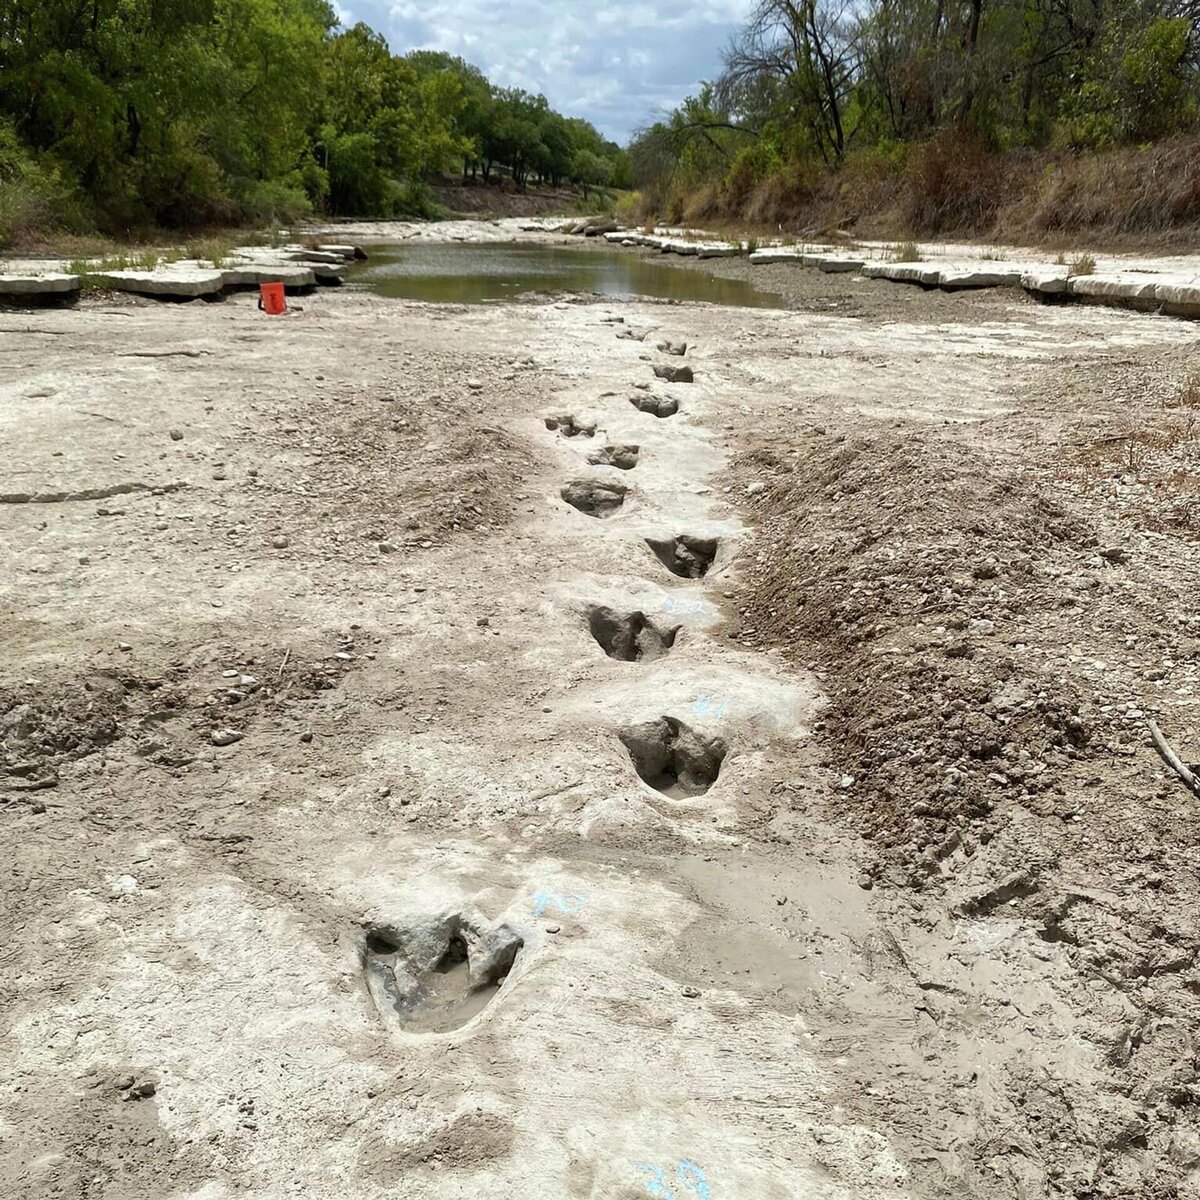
point(656, 406)
point(570, 426)
point(594, 498)
point(437, 976)
point(685, 556)
point(630, 637)
point(624, 458)
point(673, 758)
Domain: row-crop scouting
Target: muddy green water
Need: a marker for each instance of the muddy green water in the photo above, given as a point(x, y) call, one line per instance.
point(475, 274)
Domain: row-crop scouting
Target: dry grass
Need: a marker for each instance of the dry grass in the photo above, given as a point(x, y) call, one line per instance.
point(1188, 394)
point(954, 185)
point(1130, 191)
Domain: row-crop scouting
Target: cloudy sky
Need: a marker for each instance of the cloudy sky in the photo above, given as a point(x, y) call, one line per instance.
point(616, 62)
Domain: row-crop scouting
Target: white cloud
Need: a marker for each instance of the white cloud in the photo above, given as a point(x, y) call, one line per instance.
point(619, 65)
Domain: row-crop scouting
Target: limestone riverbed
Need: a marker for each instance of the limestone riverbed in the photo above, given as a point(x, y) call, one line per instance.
point(488, 750)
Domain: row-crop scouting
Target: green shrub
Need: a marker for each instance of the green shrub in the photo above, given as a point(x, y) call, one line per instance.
point(276, 202)
point(629, 208)
point(35, 200)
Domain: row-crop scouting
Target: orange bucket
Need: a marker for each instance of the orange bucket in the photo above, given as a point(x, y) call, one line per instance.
point(272, 300)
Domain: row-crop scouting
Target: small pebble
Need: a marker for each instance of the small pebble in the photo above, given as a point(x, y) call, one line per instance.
point(280, 542)
point(690, 992)
point(177, 435)
point(225, 737)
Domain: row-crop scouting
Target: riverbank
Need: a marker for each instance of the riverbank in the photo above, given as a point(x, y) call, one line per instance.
point(825, 865)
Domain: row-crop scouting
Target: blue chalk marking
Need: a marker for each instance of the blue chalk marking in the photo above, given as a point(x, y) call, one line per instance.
point(655, 1182)
point(572, 905)
point(693, 1178)
point(690, 1177)
point(672, 605)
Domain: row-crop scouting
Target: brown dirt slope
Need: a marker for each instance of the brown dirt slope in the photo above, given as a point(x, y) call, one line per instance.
point(997, 617)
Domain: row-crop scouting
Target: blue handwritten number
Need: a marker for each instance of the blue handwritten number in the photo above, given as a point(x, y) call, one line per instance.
point(693, 1179)
point(655, 1182)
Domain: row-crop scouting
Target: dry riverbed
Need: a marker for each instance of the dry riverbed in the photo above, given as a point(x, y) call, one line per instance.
point(429, 770)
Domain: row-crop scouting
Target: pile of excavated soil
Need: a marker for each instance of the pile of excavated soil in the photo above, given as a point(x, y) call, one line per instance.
point(995, 618)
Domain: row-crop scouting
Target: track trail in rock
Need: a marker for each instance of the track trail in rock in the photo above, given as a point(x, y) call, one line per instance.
point(502, 893)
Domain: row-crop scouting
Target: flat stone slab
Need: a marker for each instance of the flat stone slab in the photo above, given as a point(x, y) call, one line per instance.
point(255, 274)
point(1050, 281)
point(679, 246)
point(327, 273)
point(1121, 287)
point(38, 285)
point(834, 265)
point(776, 254)
point(1180, 299)
point(962, 278)
point(357, 252)
point(184, 284)
point(316, 256)
point(923, 273)
point(718, 250)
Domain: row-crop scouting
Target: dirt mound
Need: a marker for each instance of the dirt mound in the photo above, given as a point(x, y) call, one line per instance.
point(987, 624)
point(907, 584)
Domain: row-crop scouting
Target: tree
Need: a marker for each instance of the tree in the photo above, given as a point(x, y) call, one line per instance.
point(590, 170)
